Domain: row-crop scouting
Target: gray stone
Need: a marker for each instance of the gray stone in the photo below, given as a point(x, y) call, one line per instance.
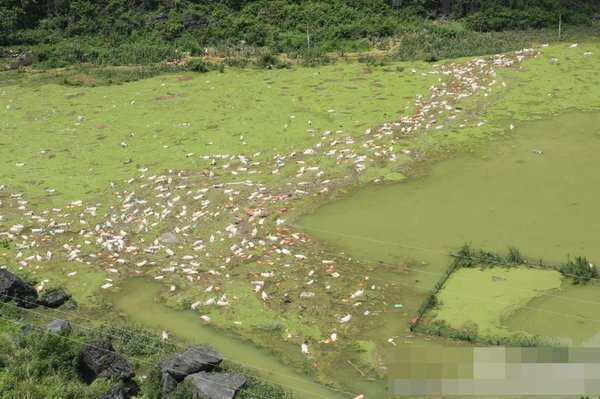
point(59, 325)
point(168, 238)
point(168, 383)
point(216, 385)
point(124, 390)
point(195, 358)
point(54, 299)
point(98, 359)
point(12, 287)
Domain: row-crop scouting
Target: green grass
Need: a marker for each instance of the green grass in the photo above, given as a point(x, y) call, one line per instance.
point(471, 297)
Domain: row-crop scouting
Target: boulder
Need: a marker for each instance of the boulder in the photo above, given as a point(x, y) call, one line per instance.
point(98, 359)
point(192, 360)
point(168, 384)
point(216, 385)
point(54, 299)
point(59, 325)
point(12, 287)
point(124, 390)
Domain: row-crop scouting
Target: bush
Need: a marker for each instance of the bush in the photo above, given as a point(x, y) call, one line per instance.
point(514, 256)
point(269, 60)
point(199, 66)
point(580, 271)
point(465, 257)
point(236, 62)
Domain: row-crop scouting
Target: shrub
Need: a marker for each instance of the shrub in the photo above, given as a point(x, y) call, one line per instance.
point(581, 271)
point(514, 256)
point(269, 60)
point(464, 257)
point(199, 66)
point(236, 62)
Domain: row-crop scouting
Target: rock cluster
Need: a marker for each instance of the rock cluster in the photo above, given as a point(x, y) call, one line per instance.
point(14, 288)
point(99, 359)
point(196, 365)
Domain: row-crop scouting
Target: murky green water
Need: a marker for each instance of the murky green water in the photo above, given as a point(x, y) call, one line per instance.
point(136, 299)
point(569, 316)
point(504, 195)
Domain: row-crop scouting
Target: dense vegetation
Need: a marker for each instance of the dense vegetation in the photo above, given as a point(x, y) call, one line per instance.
point(61, 32)
point(580, 270)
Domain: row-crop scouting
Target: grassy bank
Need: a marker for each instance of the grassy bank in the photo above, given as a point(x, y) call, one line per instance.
point(35, 363)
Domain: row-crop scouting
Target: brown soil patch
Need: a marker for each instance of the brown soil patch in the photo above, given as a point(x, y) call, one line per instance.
point(183, 78)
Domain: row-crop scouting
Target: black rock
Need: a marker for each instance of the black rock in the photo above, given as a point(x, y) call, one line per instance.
point(12, 287)
point(216, 385)
point(98, 359)
point(124, 390)
point(168, 383)
point(54, 299)
point(59, 325)
point(192, 360)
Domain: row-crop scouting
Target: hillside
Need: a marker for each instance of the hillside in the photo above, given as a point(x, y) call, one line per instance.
point(62, 32)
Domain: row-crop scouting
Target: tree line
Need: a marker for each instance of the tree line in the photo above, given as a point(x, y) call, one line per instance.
point(58, 26)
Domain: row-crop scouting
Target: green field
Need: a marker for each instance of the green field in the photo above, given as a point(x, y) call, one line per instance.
point(483, 299)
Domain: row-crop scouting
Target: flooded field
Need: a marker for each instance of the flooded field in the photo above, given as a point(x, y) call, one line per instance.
point(136, 299)
point(196, 192)
point(534, 189)
point(569, 316)
point(504, 194)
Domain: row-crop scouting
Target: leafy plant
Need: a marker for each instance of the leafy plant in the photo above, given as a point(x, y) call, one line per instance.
point(580, 270)
point(514, 256)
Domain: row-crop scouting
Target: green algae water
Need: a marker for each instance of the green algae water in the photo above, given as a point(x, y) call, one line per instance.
point(568, 316)
point(136, 300)
point(535, 189)
point(504, 195)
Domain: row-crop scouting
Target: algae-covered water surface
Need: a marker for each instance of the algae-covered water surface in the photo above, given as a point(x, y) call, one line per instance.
point(534, 189)
point(137, 299)
point(238, 192)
